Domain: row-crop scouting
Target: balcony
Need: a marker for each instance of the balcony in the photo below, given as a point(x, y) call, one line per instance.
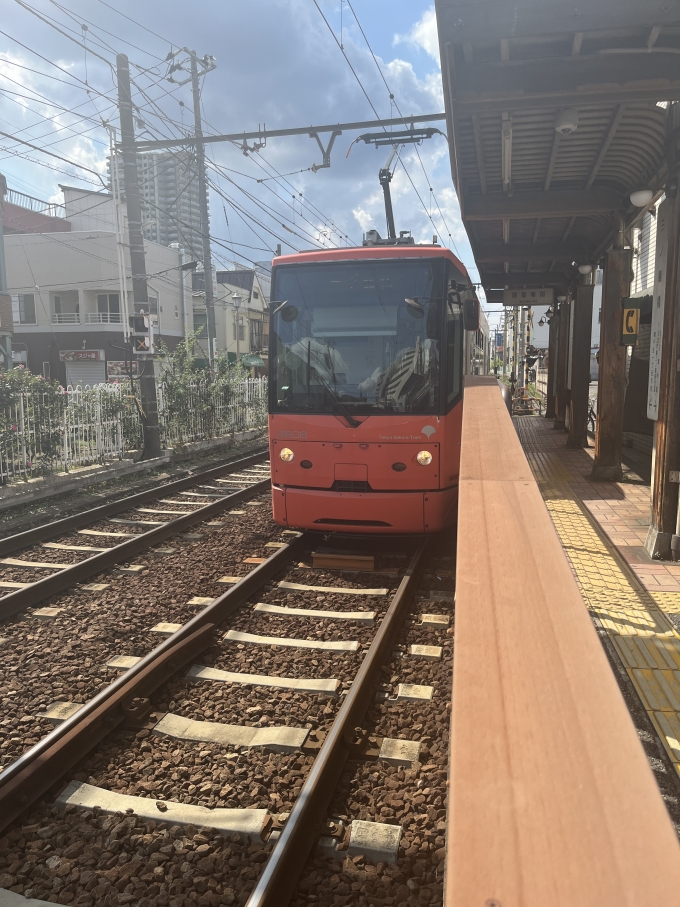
point(103, 318)
point(66, 318)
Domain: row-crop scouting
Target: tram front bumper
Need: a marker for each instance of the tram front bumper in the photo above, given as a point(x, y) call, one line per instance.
point(365, 512)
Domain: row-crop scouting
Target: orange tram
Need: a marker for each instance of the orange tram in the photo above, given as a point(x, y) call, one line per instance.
point(368, 349)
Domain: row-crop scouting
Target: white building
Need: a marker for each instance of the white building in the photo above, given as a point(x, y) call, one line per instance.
point(67, 293)
point(241, 314)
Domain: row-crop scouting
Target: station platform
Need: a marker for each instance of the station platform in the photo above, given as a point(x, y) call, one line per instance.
point(634, 601)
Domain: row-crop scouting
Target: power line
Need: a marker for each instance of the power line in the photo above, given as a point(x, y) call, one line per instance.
point(356, 76)
point(392, 98)
point(52, 154)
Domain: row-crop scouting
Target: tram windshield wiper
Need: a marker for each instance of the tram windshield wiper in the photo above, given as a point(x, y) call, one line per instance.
point(341, 406)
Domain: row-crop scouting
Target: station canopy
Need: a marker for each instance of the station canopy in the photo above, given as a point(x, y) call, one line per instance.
point(556, 112)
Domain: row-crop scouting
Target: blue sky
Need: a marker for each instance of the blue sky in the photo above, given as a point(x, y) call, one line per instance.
point(278, 64)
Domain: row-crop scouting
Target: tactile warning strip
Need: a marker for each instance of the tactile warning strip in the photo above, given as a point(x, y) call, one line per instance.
point(646, 641)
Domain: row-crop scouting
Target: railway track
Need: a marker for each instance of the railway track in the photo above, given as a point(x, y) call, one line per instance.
point(90, 541)
point(236, 759)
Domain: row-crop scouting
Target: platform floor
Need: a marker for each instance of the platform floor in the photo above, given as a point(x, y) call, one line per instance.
point(633, 599)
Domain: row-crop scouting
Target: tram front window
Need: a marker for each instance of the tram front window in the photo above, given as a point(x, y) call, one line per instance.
point(360, 337)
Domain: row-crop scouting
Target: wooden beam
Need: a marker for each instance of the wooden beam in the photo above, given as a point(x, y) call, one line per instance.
point(552, 367)
point(498, 252)
point(580, 368)
point(604, 148)
point(553, 160)
point(551, 800)
point(556, 203)
point(567, 81)
point(653, 36)
point(611, 383)
point(479, 150)
point(595, 98)
point(564, 314)
point(663, 525)
point(450, 105)
point(486, 23)
point(530, 279)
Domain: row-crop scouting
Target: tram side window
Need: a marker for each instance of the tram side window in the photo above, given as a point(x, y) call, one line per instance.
point(454, 352)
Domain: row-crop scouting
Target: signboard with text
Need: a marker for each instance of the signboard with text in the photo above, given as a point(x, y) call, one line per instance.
point(541, 296)
point(116, 369)
point(82, 356)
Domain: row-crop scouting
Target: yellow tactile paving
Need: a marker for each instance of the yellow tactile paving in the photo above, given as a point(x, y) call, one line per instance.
point(668, 601)
point(647, 642)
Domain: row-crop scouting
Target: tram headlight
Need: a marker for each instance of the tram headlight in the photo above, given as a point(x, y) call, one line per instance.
point(287, 455)
point(424, 457)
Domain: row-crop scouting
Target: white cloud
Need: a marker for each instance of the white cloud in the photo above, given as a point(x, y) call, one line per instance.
point(423, 35)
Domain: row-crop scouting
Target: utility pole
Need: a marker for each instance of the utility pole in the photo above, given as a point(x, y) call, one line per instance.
point(207, 64)
point(147, 380)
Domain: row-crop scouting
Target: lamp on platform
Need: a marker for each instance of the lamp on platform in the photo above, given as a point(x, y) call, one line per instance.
point(585, 269)
point(561, 298)
point(641, 197)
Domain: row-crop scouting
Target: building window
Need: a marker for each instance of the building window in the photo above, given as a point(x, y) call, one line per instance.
point(201, 324)
point(23, 308)
point(108, 308)
point(256, 295)
point(256, 335)
point(57, 305)
point(240, 329)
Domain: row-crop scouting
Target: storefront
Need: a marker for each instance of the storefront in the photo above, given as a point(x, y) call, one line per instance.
point(84, 367)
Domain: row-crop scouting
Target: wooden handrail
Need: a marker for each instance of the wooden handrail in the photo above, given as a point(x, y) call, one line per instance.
point(552, 802)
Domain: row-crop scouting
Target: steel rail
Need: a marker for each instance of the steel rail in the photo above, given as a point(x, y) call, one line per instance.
point(57, 527)
point(282, 870)
point(90, 566)
point(40, 767)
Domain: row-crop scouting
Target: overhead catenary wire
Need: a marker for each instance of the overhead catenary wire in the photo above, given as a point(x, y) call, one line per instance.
point(366, 95)
point(396, 104)
point(278, 217)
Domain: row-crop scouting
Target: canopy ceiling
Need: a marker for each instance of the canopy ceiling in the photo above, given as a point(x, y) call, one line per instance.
point(533, 200)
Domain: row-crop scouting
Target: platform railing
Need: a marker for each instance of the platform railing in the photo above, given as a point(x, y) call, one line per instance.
point(551, 798)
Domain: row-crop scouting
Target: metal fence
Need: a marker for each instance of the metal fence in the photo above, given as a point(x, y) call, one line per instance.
point(43, 433)
point(542, 382)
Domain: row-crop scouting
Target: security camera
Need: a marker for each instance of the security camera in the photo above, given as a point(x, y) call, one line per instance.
point(566, 121)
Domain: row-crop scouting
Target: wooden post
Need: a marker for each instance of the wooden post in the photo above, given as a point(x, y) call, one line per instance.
point(580, 368)
point(561, 374)
point(552, 364)
point(611, 384)
point(663, 539)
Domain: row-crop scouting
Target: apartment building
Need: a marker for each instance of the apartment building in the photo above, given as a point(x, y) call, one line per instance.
point(70, 296)
point(168, 185)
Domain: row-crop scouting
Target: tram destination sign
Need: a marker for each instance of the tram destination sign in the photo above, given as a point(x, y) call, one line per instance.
point(537, 296)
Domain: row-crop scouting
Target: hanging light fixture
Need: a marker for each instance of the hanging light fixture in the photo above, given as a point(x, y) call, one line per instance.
point(641, 197)
point(585, 269)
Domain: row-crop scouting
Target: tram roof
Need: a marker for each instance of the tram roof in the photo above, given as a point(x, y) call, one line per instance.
point(367, 253)
point(533, 200)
